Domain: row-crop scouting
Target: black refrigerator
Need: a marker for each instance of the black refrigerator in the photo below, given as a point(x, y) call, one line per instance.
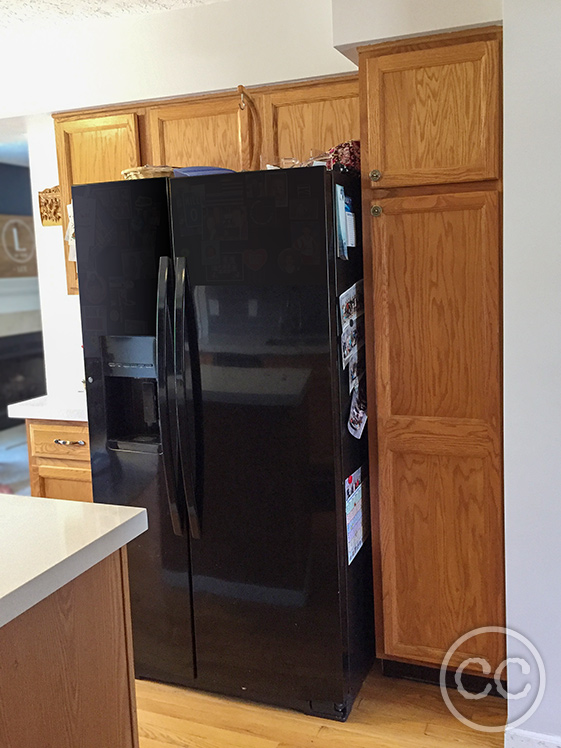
point(217, 400)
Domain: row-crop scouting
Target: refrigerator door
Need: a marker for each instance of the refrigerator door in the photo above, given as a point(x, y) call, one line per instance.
point(122, 230)
point(265, 570)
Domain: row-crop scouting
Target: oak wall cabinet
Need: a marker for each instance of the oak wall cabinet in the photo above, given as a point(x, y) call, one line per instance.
point(59, 459)
point(432, 114)
point(93, 149)
point(215, 132)
point(433, 298)
point(301, 121)
point(226, 130)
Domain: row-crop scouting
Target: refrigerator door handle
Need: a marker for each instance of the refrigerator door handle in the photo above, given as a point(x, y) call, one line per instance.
point(164, 349)
point(190, 439)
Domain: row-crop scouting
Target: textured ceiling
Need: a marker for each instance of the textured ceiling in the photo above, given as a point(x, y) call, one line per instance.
point(40, 11)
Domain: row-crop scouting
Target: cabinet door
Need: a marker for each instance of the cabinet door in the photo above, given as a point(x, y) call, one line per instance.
point(65, 482)
point(216, 132)
point(437, 342)
point(432, 116)
point(302, 121)
point(93, 150)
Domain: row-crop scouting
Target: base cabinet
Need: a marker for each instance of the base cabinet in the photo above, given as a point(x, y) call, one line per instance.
point(66, 667)
point(59, 460)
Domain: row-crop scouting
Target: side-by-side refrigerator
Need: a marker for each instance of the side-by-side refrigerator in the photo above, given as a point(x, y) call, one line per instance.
point(219, 397)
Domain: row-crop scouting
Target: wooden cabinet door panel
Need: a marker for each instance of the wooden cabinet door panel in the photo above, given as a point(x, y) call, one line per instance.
point(310, 119)
point(65, 482)
point(433, 115)
point(211, 133)
point(91, 150)
point(437, 342)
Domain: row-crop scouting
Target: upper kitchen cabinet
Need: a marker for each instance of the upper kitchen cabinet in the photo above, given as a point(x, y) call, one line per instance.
point(214, 131)
point(93, 149)
point(307, 119)
point(431, 110)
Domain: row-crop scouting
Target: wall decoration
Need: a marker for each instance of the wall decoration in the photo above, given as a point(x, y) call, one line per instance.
point(49, 206)
point(17, 247)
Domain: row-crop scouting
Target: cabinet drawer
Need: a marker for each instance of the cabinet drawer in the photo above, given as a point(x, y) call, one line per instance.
point(57, 439)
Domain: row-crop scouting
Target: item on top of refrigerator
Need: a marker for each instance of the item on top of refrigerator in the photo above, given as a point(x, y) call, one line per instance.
point(345, 157)
point(200, 171)
point(147, 172)
point(357, 414)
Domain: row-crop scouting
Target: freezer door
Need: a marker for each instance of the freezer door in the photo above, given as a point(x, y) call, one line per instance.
point(265, 570)
point(122, 230)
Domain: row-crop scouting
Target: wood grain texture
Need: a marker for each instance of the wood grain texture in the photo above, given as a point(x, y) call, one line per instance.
point(388, 713)
point(433, 114)
point(436, 294)
point(43, 435)
point(59, 471)
point(212, 133)
point(307, 120)
point(429, 41)
point(94, 149)
point(64, 678)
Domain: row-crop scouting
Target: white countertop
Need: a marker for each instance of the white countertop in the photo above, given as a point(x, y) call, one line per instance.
point(70, 407)
point(45, 543)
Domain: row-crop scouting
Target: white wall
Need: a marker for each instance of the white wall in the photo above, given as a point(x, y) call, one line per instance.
point(106, 61)
point(532, 339)
point(203, 48)
point(62, 338)
point(357, 22)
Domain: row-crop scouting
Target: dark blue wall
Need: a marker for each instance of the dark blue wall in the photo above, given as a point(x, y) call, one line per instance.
point(15, 191)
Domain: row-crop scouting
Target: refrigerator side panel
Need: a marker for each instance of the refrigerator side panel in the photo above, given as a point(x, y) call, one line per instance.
point(265, 571)
point(355, 566)
point(122, 228)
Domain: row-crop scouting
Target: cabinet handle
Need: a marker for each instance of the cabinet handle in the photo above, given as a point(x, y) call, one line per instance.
point(375, 175)
point(376, 210)
point(67, 443)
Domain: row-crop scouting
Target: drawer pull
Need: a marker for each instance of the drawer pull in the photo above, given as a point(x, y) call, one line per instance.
point(67, 443)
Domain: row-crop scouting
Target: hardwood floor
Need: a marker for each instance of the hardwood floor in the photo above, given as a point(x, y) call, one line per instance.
point(388, 713)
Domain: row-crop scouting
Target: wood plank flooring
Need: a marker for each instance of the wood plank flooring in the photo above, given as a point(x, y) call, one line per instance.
point(388, 713)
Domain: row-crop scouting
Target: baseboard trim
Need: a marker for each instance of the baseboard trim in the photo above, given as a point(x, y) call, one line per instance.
point(524, 739)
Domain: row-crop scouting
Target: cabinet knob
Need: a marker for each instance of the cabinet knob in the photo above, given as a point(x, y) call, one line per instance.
point(67, 443)
point(376, 210)
point(375, 175)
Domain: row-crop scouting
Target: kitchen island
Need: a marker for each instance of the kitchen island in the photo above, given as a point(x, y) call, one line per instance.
point(66, 673)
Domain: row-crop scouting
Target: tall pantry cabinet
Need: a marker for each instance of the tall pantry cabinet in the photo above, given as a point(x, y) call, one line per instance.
point(431, 140)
